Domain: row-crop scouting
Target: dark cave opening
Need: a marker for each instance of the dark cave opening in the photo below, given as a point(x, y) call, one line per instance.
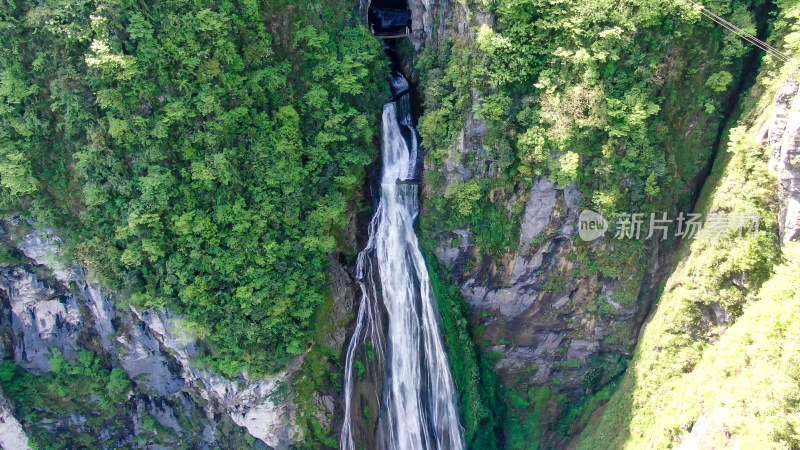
point(389, 18)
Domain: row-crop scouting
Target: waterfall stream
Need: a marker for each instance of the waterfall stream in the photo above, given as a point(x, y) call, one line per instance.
point(414, 390)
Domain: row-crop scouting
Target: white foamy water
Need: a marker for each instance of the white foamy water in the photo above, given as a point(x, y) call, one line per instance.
point(418, 401)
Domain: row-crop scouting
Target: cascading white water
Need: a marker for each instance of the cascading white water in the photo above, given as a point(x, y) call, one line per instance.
point(418, 402)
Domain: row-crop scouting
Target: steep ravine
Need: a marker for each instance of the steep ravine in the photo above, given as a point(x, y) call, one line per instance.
point(561, 331)
point(555, 318)
point(397, 338)
point(721, 379)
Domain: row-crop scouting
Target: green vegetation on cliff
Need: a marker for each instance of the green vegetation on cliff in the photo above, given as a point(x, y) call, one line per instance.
point(87, 388)
point(716, 365)
point(86, 404)
point(594, 93)
point(194, 155)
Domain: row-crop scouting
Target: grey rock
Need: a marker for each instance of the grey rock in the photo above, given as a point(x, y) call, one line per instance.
point(41, 319)
point(249, 402)
point(101, 308)
point(548, 342)
point(514, 358)
point(509, 302)
point(44, 247)
point(12, 435)
point(452, 249)
point(558, 304)
point(538, 210)
point(154, 348)
point(146, 363)
point(582, 349)
point(521, 292)
point(165, 415)
point(782, 134)
point(526, 265)
point(715, 314)
point(572, 197)
point(344, 297)
point(325, 407)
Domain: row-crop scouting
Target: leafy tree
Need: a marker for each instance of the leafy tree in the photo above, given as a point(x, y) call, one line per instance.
point(719, 81)
point(194, 156)
point(465, 196)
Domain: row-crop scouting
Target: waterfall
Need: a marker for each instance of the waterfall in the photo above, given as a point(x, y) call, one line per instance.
point(418, 398)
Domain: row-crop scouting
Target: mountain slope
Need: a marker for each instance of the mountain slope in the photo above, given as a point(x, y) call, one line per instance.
point(716, 364)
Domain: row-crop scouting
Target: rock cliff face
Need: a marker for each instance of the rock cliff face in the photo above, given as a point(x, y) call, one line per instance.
point(41, 319)
point(537, 326)
point(782, 134)
point(547, 326)
point(52, 307)
point(531, 308)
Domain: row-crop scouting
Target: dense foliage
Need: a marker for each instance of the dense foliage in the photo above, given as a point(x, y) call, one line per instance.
point(194, 155)
point(732, 376)
point(592, 93)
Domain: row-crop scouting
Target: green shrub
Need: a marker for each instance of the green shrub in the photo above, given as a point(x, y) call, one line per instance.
point(88, 387)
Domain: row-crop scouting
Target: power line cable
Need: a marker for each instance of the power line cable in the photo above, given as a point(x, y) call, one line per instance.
point(740, 32)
